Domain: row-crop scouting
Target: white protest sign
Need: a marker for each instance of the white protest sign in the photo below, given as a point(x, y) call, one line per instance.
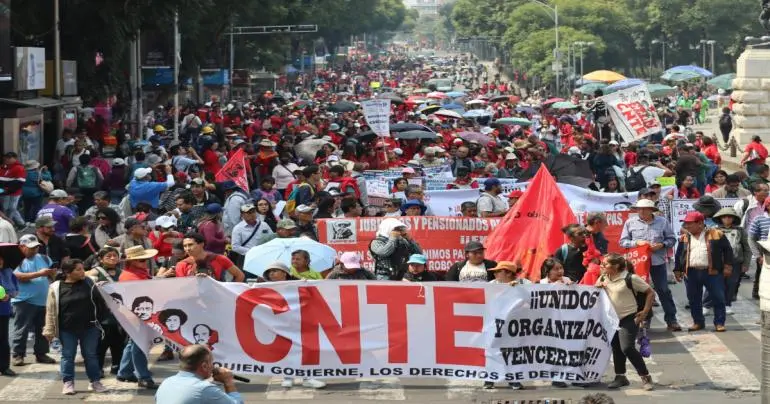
point(633, 113)
point(352, 329)
point(377, 114)
point(379, 187)
point(446, 202)
point(680, 207)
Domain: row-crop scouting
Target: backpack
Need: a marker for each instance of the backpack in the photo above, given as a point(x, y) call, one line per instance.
point(734, 236)
point(641, 299)
point(635, 180)
point(725, 120)
point(349, 182)
point(291, 201)
point(86, 177)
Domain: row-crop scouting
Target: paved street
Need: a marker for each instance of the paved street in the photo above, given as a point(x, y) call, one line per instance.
point(701, 368)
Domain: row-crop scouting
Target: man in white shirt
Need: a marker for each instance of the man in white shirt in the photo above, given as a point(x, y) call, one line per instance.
point(649, 170)
point(489, 204)
point(250, 231)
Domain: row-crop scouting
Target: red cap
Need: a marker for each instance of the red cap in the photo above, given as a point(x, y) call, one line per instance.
point(181, 176)
point(516, 193)
point(693, 216)
point(458, 141)
point(492, 143)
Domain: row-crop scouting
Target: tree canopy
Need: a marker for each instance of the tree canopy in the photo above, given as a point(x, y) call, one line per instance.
point(108, 26)
point(622, 31)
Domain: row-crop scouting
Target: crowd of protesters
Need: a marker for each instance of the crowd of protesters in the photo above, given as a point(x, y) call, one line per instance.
point(155, 209)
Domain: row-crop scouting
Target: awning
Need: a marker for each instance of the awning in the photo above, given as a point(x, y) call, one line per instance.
point(40, 102)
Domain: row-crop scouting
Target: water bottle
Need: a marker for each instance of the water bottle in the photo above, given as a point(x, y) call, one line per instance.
point(56, 345)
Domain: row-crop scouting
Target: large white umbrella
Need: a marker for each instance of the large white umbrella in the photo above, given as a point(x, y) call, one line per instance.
point(448, 114)
point(322, 257)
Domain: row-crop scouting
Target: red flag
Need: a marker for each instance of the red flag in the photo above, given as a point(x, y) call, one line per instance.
point(640, 257)
point(235, 169)
point(531, 231)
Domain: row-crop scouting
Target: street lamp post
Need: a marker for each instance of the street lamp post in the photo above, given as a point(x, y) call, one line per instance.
point(703, 48)
point(582, 44)
point(556, 54)
point(713, 66)
point(663, 45)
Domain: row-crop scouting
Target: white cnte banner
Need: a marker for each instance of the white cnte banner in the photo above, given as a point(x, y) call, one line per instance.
point(377, 114)
point(633, 113)
point(350, 329)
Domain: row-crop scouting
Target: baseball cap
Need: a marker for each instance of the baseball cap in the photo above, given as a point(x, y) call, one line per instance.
point(213, 208)
point(118, 162)
point(417, 259)
point(407, 170)
point(58, 194)
point(511, 156)
point(142, 172)
point(473, 246)
point(614, 143)
point(491, 182)
point(166, 221)
point(247, 207)
point(29, 241)
point(44, 221)
point(304, 209)
point(516, 193)
point(350, 260)
point(693, 216)
point(286, 224)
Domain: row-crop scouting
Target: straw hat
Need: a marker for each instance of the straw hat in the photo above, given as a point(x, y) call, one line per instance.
point(139, 253)
point(505, 266)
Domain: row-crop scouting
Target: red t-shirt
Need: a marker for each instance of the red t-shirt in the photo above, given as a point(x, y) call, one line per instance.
point(216, 264)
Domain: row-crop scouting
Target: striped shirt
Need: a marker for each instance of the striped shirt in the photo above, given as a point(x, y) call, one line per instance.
point(657, 231)
point(759, 228)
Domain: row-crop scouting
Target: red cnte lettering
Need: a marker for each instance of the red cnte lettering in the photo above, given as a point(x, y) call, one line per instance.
point(244, 324)
point(344, 336)
point(447, 324)
point(396, 298)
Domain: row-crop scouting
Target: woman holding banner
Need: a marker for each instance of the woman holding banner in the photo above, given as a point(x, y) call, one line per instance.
point(623, 288)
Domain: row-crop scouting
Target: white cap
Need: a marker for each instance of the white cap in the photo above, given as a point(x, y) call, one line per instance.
point(614, 143)
point(398, 151)
point(511, 156)
point(165, 221)
point(142, 172)
point(118, 162)
point(573, 150)
point(304, 209)
point(58, 194)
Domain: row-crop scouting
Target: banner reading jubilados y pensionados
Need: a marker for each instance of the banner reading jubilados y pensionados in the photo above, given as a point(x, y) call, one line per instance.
point(441, 238)
point(351, 329)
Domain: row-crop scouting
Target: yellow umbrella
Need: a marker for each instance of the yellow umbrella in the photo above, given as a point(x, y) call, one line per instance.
point(606, 76)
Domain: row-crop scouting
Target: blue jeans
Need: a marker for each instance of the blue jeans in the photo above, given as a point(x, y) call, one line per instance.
point(731, 288)
point(10, 205)
point(697, 279)
point(134, 363)
point(89, 341)
point(659, 276)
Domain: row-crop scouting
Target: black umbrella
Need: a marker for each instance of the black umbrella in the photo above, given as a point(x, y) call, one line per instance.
point(11, 254)
point(343, 106)
point(366, 136)
point(405, 126)
point(500, 98)
point(393, 97)
point(414, 134)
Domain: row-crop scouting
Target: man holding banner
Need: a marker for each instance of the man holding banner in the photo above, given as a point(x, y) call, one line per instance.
point(655, 231)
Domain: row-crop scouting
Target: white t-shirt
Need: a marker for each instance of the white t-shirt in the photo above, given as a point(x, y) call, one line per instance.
point(284, 175)
point(473, 273)
point(650, 173)
point(563, 279)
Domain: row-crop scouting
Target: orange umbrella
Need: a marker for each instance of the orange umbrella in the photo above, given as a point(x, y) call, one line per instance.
point(606, 76)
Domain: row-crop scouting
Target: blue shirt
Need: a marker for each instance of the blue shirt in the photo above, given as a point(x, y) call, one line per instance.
point(187, 388)
point(11, 285)
point(760, 228)
point(35, 291)
point(145, 191)
point(658, 231)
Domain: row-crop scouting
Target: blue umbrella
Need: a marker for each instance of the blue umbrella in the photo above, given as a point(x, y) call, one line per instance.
point(692, 69)
point(455, 94)
point(453, 107)
point(526, 110)
point(476, 113)
point(623, 84)
point(322, 257)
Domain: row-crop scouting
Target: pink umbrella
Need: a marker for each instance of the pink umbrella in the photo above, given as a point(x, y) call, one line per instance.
point(437, 95)
point(552, 100)
point(475, 136)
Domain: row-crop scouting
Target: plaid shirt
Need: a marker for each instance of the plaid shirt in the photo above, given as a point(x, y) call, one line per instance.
point(659, 231)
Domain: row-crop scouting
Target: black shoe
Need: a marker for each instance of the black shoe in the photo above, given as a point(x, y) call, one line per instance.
point(559, 384)
point(489, 385)
point(45, 359)
point(755, 296)
point(620, 381)
point(148, 384)
point(745, 276)
point(114, 370)
point(584, 385)
point(129, 379)
point(515, 386)
point(8, 372)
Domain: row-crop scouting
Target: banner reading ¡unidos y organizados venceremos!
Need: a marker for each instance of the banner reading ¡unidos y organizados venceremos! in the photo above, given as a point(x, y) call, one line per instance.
point(441, 238)
point(351, 329)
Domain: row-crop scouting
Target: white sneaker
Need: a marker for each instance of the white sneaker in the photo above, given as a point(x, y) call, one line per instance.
point(287, 382)
point(68, 388)
point(706, 311)
point(729, 310)
point(313, 383)
point(97, 387)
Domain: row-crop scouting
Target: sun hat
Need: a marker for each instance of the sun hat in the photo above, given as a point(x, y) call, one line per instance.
point(728, 211)
point(31, 165)
point(707, 205)
point(138, 252)
point(644, 204)
point(277, 265)
point(414, 202)
point(350, 260)
point(504, 266)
